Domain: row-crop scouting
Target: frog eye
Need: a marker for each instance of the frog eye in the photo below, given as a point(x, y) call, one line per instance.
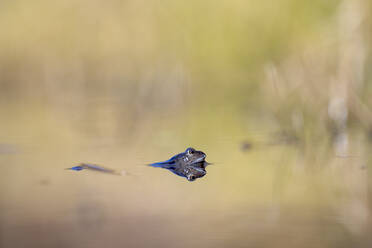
point(190, 150)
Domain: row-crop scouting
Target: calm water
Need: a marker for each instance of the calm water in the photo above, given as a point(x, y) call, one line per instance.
point(270, 194)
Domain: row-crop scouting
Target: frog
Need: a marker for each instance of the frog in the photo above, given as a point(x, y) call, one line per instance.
point(190, 164)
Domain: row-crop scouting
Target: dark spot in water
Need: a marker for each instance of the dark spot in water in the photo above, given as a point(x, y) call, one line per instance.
point(246, 146)
point(44, 182)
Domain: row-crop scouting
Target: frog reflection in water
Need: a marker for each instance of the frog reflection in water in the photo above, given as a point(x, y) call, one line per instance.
point(190, 164)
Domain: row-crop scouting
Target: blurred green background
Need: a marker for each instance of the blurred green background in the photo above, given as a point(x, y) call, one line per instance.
point(276, 93)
